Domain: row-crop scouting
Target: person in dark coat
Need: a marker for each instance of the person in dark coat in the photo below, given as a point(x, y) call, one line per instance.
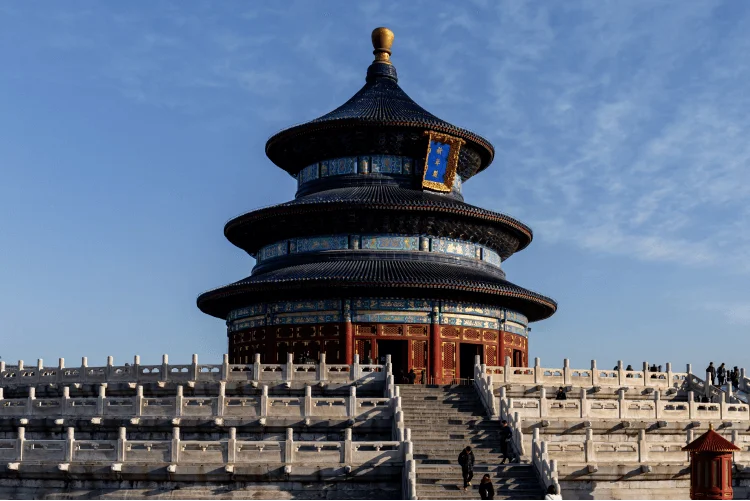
point(506, 442)
point(486, 490)
point(466, 460)
point(721, 374)
point(735, 378)
point(561, 395)
point(711, 372)
point(412, 376)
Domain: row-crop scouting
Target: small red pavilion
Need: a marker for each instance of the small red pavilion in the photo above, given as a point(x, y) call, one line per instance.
point(711, 466)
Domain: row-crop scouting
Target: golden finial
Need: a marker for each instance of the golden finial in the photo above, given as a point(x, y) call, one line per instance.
point(382, 39)
point(710, 426)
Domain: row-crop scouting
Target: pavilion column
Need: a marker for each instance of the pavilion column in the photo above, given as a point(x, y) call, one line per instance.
point(348, 334)
point(436, 358)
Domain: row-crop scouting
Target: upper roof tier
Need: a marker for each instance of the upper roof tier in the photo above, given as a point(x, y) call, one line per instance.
point(381, 104)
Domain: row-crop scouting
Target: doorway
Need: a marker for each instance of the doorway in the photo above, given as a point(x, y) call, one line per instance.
point(467, 352)
point(398, 350)
point(518, 359)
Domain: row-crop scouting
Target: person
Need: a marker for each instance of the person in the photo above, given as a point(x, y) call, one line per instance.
point(561, 395)
point(506, 442)
point(401, 376)
point(412, 376)
point(736, 378)
point(424, 377)
point(721, 374)
point(466, 460)
point(629, 368)
point(711, 373)
point(486, 490)
point(552, 493)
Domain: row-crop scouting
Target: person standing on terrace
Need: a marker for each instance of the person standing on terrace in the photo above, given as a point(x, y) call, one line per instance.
point(711, 372)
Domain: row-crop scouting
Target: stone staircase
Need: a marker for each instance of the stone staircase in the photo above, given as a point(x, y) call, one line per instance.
point(445, 419)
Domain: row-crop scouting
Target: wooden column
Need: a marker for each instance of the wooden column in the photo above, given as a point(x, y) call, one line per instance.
point(436, 359)
point(348, 334)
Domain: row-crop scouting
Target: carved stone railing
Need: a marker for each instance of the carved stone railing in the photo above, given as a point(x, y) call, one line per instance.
point(545, 467)
point(139, 373)
point(485, 389)
point(223, 405)
point(229, 452)
point(594, 376)
point(622, 408)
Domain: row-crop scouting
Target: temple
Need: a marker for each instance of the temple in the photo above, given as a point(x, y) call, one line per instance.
point(377, 255)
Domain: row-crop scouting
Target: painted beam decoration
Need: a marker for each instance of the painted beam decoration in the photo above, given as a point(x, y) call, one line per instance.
point(441, 161)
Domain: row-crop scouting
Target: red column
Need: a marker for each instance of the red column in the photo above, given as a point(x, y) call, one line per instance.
point(349, 342)
point(436, 358)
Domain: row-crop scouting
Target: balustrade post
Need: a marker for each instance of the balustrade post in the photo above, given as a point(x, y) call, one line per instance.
point(222, 400)
point(388, 364)
point(354, 374)
point(232, 446)
point(670, 375)
point(707, 385)
point(139, 400)
point(621, 403)
point(1, 393)
point(2, 365)
point(179, 400)
point(642, 447)
point(65, 400)
point(691, 404)
point(60, 369)
point(594, 374)
point(121, 444)
point(289, 369)
point(543, 410)
point(175, 452)
point(110, 364)
point(722, 404)
point(348, 447)
point(584, 403)
point(353, 401)
point(264, 402)
point(308, 409)
point(101, 399)
point(589, 449)
point(506, 370)
point(21, 442)
point(137, 367)
point(194, 368)
point(30, 401)
point(322, 368)
point(566, 371)
point(504, 402)
point(20, 365)
point(289, 446)
point(519, 433)
point(84, 369)
point(165, 367)
point(39, 364)
point(256, 367)
point(70, 444)
point(620, 373)
point(225, 367)
point(657, 404)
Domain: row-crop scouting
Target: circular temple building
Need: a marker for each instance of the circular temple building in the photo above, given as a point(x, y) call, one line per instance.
point(378, 253)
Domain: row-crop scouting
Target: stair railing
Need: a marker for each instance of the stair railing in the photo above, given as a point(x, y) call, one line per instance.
point(484, 387)
point(545, 467)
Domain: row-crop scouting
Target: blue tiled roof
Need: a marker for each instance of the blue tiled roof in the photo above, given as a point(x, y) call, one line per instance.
point(386, 274)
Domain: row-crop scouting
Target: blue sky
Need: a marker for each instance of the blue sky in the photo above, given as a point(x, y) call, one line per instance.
point(131, 131)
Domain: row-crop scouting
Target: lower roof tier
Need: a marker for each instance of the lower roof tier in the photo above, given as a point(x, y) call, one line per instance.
point(375, 208)
point(384, 277)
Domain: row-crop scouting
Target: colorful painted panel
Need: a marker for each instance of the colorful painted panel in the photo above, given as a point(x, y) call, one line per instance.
point(458, 307)
point(386, 164)
point(246, 324)
point(491, 257)
point(307, 319)
point(249, 311)
point(338, 167)
point(313, 244)
point(389, 317)
point(391, 304)
point(464, 249)
point(390, 242)
point(316, 305)
point(514, 329)
point(484, 323)
point(308, 173)
point(516, 317)
point(273, 250)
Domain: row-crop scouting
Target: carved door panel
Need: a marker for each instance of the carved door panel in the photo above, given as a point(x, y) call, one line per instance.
point(449, 361)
